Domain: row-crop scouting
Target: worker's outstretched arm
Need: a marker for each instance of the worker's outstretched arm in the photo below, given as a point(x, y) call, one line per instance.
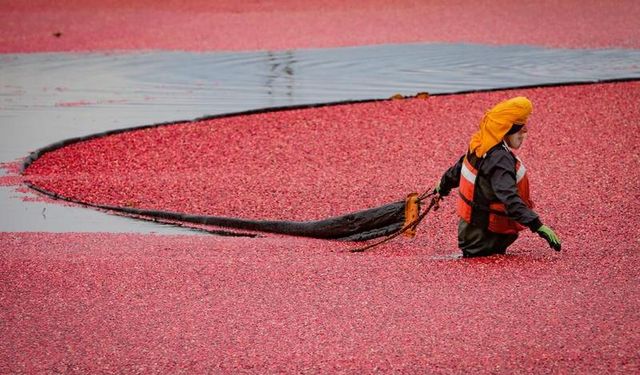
point(450, 179)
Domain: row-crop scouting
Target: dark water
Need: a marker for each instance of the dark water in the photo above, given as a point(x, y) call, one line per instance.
point(48, 97)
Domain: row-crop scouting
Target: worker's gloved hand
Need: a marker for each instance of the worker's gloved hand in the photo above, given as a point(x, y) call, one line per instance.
point(551, 237)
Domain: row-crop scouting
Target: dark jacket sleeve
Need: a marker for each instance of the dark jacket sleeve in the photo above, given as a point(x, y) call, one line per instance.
point(451, 178)
point(503, 182)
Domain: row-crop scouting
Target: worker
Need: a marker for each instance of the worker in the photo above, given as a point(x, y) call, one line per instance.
point(494, 202)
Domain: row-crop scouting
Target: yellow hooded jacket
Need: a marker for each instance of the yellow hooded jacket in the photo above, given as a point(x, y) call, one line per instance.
point(497, 121)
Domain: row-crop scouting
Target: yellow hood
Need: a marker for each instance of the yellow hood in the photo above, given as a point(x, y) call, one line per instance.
point(497, 121)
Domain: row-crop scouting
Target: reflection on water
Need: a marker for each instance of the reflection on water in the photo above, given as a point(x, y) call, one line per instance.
point(280, 74)
point(47, 97)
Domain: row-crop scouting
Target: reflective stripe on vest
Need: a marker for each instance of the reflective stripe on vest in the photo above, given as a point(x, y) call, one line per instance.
point(499, 222)
point(468, 172)
point(466, 189)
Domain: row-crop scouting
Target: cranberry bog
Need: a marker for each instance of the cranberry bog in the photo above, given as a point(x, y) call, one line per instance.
point(200, 25)
point(278, 303)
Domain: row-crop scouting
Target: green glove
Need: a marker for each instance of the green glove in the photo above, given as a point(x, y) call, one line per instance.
point(551, 237)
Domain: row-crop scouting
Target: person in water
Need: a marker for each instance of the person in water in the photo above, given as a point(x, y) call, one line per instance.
point(494, 202)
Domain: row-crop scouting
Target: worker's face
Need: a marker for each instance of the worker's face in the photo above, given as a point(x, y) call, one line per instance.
point(515, 140)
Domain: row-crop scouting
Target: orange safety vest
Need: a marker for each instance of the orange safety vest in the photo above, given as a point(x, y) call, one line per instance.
point(499, 222)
